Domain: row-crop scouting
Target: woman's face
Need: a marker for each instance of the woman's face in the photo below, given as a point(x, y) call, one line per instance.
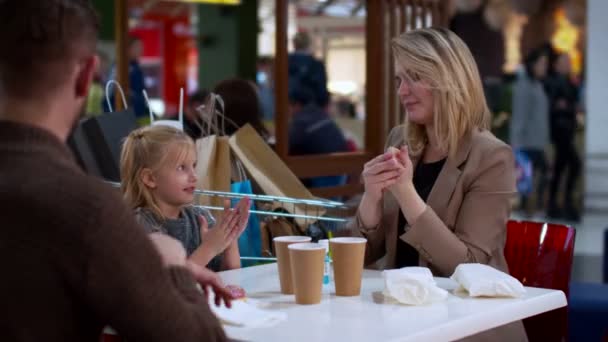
point(416, 97)
point(540, 67)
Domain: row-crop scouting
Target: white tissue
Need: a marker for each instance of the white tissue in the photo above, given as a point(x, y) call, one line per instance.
point(248, 315)
point(412, 286)
point(484, 281)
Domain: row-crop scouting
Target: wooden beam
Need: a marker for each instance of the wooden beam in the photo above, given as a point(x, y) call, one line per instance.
point(375, 109)
point(402, 16)
point(121, 22)
point(444, 13)
point(414, 14)
point(392, 92)
point(436, 14)
point(281, 80)
point(328, 164)
point(424, 7)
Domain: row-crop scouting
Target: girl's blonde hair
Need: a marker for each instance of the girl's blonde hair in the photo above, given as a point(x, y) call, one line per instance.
point(148, 148)
point(441, 59)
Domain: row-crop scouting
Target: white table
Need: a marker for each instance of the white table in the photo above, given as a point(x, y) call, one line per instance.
point(367, 318)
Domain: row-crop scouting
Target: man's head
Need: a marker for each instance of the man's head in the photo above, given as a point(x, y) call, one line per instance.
point(49, 59)
point(135, 48)
point(301, 42)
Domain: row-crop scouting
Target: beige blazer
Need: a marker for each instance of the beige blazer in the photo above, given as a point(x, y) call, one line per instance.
point(467, 210)
point(465, 219)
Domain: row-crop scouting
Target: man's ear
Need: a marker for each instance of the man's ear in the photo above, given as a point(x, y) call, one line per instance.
point(87, 69)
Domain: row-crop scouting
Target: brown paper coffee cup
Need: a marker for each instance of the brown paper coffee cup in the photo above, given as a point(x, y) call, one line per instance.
point(348, 254)
point(280, 247)
point(307, 264)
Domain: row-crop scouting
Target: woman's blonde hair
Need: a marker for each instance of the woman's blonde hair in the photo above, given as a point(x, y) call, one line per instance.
point(148, 148)
point(441, 59)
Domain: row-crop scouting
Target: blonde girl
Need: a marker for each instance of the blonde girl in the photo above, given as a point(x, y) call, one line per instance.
point(158, 177)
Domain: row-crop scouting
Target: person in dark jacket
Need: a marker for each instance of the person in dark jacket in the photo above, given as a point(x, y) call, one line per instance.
point(563, 99)
point(305, 69)
point(529, 130)
point(136, 99)
point(313, 131)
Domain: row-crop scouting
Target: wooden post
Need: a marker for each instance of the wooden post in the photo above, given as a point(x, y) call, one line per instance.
point(402, 16)
point(375, 109)
point(392, 92)
point(444, 13)
point(424, 9)
point(121, 25)
point(413, 16)
point(281, 80)
point(436, 14)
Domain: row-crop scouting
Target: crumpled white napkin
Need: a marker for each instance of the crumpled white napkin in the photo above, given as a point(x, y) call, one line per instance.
point(246, 314)
point(485, 281)
point(412, 286)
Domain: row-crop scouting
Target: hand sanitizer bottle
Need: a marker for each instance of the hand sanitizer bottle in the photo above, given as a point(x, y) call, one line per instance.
point(326, 269)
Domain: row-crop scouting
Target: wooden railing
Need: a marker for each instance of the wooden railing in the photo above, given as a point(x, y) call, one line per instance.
point(385, 20)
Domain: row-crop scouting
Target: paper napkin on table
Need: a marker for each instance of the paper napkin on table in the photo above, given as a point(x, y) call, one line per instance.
point(485, 281)
point(246, 314)
point(412, 286)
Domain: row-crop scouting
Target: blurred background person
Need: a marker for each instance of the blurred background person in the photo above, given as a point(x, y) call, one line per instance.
point(313, 131)
point(306, 70)
point(265, 83)
point(96, 97)
point(530, 121)
point(563, 99)
point(501, 115)
point(136, 99)
point(193, 123)
point(241, 106)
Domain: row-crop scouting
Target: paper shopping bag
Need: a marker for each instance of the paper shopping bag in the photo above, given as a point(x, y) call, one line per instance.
point(270, 172)
point(213, 168)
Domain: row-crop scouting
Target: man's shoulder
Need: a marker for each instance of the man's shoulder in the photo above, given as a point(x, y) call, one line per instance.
point(68, 189)
point(59, 199)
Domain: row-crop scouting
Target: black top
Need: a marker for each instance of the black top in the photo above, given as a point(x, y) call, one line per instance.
point(563, 98)
point(425, 176)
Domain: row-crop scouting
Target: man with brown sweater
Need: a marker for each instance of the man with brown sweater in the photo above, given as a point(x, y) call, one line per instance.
point(73, 259)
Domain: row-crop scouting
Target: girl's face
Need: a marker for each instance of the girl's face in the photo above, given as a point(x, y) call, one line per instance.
point(415, 96)
point(174, 182)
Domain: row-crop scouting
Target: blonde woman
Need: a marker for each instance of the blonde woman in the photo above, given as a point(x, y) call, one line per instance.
point(440, 195)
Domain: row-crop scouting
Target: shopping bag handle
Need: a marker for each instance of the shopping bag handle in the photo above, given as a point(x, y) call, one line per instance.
point(181, 110)
point(210, 115)
point(122, 94)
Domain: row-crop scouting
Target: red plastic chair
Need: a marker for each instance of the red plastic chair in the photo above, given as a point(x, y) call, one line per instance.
point(540, 255)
